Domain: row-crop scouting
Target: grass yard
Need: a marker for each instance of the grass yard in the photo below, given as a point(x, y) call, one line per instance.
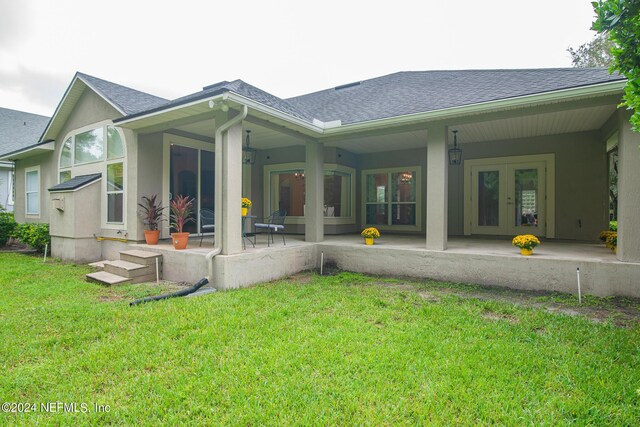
point(339, 350)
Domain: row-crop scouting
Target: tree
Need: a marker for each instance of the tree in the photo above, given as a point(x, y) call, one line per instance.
point(596, 53)
point(620, 20)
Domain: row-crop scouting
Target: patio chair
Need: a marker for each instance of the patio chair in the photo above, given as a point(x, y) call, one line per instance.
point(207, 222)
point(272, 224)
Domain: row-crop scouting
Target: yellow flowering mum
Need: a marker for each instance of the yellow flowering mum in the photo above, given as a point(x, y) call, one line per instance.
point(525, 241)
point(246, 203)
point(370, 233)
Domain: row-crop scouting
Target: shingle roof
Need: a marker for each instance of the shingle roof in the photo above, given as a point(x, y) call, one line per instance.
point(19, 130)
point(422, 91)
point(241, 88)
point(130, 101)
point(76, 182)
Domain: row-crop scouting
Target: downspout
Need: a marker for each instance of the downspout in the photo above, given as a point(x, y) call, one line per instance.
point(217, 247)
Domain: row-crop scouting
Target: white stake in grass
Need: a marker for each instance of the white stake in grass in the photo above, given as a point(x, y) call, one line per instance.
point(157, 272)
point(321, 262)
point(579, 290)
point(46, 247)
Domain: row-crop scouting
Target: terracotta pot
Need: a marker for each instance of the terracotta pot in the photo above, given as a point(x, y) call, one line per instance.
point(180, 240)
point(152, 236)
point(245, 211)
point(369, 240)
point(526, 252)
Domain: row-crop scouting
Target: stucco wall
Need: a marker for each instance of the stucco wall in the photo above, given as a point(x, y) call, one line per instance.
point(580, 180)
point(47, 179)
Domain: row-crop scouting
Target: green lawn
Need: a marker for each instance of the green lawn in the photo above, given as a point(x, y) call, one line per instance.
point(338, 350)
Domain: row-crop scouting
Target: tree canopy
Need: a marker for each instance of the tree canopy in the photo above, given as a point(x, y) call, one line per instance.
point(620, 19)
point(596, 53)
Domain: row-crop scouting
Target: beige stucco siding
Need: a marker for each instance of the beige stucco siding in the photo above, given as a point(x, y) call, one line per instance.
point(150, 164)
point(47, 180)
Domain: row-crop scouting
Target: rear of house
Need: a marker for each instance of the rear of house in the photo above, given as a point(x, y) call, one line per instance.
point(537, 150)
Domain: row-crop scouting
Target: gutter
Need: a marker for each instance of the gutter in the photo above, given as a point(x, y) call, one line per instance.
point(217, 247)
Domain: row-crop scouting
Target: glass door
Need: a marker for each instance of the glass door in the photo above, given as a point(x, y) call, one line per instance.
point(508, 199)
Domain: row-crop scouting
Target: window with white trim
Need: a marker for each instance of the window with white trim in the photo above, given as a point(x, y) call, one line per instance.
point(103, 147)
point(391, 197)
point(32, 191)
point(12, 180)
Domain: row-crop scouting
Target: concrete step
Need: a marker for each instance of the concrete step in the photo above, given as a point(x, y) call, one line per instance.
point(141, 257)
point(99, 265)
point(105, 278)
point(128, 269)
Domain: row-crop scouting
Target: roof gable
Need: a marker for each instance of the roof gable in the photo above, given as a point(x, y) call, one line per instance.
point(123, 99)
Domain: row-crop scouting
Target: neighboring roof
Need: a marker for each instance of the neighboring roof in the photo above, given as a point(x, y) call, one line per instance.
point(412, 92)
point(76, 182)
point(127, 100)
point(19, 130)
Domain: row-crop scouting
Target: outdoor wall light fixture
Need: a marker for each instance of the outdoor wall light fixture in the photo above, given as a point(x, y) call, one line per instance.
point(248, 153)
point(455, 153)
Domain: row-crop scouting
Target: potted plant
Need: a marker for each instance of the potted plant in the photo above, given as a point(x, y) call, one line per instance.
point(369, 235)
point(526, 243)
point(612, 241)
point(181, 210)
point(246, 204)
point(151, 213)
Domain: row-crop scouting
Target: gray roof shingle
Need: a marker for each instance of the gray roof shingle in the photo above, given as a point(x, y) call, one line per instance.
point(76, 182)
point(130, 101)
point(19, 130)
point(422, 91)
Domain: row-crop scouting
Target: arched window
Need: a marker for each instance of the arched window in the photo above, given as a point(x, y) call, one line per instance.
point(98, 149)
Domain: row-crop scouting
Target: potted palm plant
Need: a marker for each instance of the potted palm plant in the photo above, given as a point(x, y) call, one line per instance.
point(151, 213)
point(181, 211)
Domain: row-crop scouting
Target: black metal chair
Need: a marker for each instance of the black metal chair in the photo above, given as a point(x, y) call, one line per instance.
point(207, 222)
point(272, 224)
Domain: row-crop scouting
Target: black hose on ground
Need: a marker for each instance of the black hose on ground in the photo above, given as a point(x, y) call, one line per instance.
point(180, 293)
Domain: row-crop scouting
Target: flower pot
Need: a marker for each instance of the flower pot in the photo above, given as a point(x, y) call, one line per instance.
point(151, 236)
point(368, 240)
point(526, 252)
point(180, 240)
point(245, 211)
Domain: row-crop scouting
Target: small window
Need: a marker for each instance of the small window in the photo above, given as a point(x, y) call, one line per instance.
point(32, 191)
point(65, 176)
point(337, 194)
point(114, 144)
point(89, 146)
point(115, 192)
point(65, 157)
point(391, 197)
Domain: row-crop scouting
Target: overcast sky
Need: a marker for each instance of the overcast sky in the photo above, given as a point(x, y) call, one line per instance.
point(288, 48)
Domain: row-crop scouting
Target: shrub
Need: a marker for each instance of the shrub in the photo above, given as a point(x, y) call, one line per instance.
point(34, 235)
point(613, 225)
point(7, 227)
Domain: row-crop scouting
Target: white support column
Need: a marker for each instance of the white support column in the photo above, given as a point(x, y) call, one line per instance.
point(228, 173)
point(314, 189)
point(437, 188)
point(628, 191)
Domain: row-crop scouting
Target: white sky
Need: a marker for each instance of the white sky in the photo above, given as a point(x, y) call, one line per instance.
point(288, 48)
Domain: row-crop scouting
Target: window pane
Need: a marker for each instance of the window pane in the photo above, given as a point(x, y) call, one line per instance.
point(403, 186)
point(488, 194)
point(114, 207)
point(526, 186)
point(377, 214)
point(290, 192)
point(337, 194)
point(377, 188)
point(65, 176)
point(207, 180)
point(114, 144)
point(115, 181)
point(33, 203)
point(403, 214)
point(65, 157)
point(32, 181)
point(89, 146)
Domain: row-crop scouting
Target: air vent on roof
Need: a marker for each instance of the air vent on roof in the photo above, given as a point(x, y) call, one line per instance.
point(348, 85)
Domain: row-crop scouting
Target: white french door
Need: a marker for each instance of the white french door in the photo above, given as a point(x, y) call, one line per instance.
point(508, 196)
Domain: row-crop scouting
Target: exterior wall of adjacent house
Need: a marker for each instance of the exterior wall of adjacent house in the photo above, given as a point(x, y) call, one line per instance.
point(5, 189)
